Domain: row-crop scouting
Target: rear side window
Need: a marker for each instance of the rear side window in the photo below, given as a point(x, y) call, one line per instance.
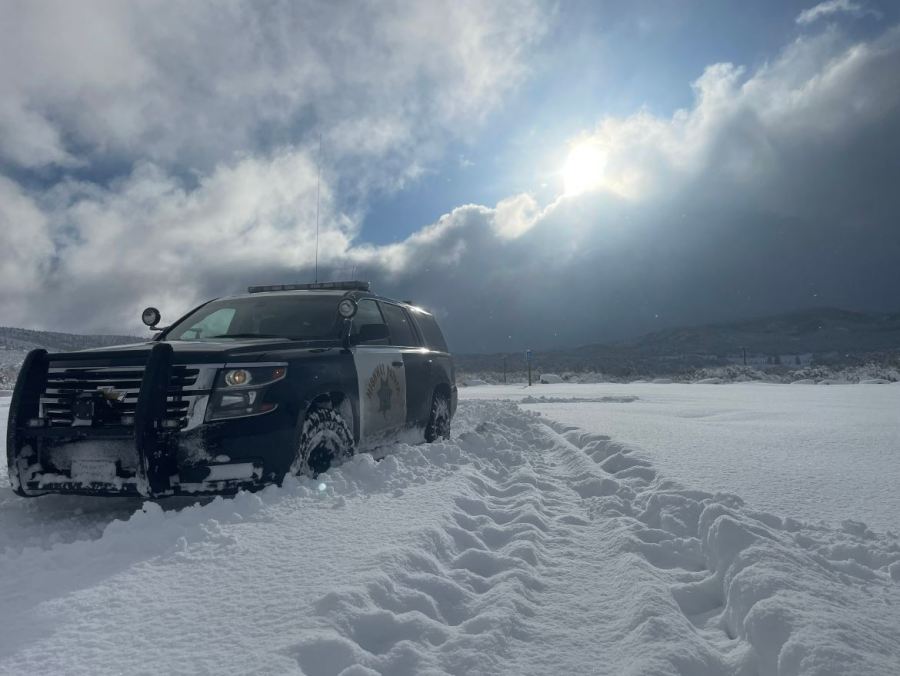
point(402, 332)
point(431, 332)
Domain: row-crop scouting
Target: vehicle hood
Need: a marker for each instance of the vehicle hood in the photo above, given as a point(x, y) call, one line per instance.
point(202, 351)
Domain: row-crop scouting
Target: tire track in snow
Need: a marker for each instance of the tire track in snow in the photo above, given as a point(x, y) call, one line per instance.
point(508, 583)
point(769, 595)
point(463, 599)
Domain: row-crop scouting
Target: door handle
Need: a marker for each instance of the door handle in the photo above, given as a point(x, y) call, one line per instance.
point(398, 364)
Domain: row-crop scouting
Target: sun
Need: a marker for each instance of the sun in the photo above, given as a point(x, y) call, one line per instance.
point(584, 168)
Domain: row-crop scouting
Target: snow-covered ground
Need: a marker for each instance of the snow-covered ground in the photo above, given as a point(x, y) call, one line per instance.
point(522, 546)
point(808, 451)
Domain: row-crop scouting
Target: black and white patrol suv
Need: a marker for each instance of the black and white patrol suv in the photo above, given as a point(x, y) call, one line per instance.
point(238, 393)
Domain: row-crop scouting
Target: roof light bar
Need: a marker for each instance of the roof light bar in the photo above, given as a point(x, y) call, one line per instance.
point(319, 286)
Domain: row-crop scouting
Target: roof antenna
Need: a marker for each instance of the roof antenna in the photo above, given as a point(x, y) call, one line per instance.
point(318, 183)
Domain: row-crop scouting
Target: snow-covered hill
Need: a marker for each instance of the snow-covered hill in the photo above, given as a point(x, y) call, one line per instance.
point(522, 546)
point(16, 343)
point(821, 337)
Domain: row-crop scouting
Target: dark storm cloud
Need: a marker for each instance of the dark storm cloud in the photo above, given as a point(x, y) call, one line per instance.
point(776, 191)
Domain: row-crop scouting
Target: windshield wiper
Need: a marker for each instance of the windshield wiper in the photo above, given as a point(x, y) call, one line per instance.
point(248, 335)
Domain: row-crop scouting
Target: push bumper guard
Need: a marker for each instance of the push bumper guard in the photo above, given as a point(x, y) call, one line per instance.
point(156, 444)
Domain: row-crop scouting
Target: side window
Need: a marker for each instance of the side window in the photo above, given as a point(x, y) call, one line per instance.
point(367, 313)
point(431, 332)
point(215, 324)
point(402, 332)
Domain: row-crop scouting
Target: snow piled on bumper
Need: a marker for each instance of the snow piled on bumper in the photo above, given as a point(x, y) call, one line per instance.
point(521, 546)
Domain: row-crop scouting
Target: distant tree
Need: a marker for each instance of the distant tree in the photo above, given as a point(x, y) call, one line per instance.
point(797, 359)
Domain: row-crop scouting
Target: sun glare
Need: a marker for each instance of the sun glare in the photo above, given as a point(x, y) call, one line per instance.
point(583, 169)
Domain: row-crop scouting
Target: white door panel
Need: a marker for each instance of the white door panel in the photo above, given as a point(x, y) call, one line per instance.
point(382, 391)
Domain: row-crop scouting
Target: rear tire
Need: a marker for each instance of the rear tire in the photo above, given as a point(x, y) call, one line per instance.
point(325, 441)
point(439, 421)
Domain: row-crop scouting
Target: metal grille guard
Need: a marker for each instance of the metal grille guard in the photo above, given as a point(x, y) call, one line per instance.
point(155, 463)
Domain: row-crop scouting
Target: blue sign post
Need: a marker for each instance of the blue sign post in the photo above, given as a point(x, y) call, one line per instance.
point(529, 355)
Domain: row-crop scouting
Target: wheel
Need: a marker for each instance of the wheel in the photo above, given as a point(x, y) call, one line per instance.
point(325, 441)
point(439, 421)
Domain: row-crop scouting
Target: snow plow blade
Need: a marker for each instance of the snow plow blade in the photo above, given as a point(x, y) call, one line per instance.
point(124, 459)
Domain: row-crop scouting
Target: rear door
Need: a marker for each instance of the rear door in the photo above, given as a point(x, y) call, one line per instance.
point(416, 363)
point(381, 380)
point(440, 363)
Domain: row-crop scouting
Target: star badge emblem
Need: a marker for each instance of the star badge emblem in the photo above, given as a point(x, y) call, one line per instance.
point(384, 398)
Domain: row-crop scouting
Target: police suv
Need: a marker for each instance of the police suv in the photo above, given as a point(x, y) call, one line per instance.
point(238, 393)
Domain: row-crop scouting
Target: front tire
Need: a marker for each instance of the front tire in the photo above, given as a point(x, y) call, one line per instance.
point(439, 421)
point(325, 441)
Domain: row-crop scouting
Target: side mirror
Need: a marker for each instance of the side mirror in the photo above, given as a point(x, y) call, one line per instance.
point(151, 317)
point(369, 333)
point(346, 310)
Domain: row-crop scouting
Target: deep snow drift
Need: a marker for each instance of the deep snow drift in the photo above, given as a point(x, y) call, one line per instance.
point(522, 546)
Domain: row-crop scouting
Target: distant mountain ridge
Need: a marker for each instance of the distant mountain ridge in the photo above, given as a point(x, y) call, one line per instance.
point(830, 335)
point(816, 330)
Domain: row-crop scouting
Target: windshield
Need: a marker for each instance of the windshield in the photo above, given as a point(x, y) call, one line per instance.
point(296, 317)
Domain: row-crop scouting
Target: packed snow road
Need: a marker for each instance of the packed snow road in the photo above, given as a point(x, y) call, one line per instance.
point(522, 546)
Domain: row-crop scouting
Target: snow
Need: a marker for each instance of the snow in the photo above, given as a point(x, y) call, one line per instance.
point(524, 545)
point(814, 452)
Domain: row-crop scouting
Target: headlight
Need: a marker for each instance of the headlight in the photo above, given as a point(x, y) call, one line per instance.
point(238, 377)
point(239, 391)
point(255, 376)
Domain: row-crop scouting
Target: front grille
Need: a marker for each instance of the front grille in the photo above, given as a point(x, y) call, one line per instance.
point(65, 382)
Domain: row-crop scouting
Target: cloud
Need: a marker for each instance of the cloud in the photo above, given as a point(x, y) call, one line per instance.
point(515, 216)
point(776, 184)
point(27, 250)
point(832, 7)
point(103, 84)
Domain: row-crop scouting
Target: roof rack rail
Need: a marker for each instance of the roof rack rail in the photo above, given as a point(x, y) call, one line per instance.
point(317, 286)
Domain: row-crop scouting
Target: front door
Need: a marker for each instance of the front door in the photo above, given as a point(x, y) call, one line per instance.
point(382, 382)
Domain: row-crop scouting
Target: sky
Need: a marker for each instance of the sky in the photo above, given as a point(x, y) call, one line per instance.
point(537, 174)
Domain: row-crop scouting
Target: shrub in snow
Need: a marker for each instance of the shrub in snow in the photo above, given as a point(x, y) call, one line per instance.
point(870, 371)
point(550, 378)
point(814, 373)
point(733, 373)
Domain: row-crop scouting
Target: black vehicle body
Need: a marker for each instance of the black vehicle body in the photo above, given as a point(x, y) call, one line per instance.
point(135, 420)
